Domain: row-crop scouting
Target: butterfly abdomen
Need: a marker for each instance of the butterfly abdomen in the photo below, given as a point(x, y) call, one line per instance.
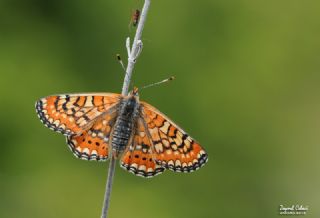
point(124, 125)
point(121, 134)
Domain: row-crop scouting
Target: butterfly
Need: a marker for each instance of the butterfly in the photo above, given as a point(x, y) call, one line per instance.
point(98, 125)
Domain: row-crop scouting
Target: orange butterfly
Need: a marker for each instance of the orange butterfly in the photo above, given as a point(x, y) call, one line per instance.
point(102, 124)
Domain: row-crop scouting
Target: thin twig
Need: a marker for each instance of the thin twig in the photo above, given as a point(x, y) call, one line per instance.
point(135, 48)
point(132, 57)
point(106, 202)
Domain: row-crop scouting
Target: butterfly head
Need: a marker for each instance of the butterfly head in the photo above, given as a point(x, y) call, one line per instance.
point(135, 92)
point(130, 105)
point(133, 97)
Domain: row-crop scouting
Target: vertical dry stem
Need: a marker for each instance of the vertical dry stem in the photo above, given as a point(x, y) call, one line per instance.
point(134, 53)
point(135, 48)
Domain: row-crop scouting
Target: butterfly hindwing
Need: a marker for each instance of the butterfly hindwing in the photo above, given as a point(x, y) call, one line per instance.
point(174, 148)
point(139, 157)
point(93, 144)
point(71, 114)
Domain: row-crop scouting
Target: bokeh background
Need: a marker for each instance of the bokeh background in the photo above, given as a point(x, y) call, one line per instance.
point(247, 88)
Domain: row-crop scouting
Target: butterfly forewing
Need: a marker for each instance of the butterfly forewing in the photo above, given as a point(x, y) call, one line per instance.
point(174, 149)
point(74, 113)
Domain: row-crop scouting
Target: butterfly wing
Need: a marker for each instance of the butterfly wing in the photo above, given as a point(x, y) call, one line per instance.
point(86, 120)
point(139, 158)
point(74, 113)
point(93, 144)
point(174, 148)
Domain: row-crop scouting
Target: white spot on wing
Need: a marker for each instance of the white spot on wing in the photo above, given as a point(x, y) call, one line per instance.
point(165, 127)
point(89, 101)
point(142, 134)
point(142, 167)
point(158, 148)
point(86, 150)
point(78, 114)
point(178, 163)
point(134, 165)
point(195, 161)
point(56, 123)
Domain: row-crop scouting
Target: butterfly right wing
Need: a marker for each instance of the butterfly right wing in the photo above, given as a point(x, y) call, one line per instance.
point(174, 148)
point(71, 114)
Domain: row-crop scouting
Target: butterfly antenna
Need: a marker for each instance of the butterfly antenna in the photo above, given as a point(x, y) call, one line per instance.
point(158, 83)
point(122, 65)
point(121, 62)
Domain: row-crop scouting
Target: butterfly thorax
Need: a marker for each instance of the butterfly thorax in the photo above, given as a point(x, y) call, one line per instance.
point(125, 123)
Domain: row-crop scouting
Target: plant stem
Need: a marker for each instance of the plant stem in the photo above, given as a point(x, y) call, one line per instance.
point(135, 48)
point(131, 62)
point(106, 202)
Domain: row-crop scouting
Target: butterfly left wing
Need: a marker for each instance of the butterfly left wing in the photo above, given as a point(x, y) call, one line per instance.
point(93, 144)
point(139, 158)
point(174, 148)
point(71, 114)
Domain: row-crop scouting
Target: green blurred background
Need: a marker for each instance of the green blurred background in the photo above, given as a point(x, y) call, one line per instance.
point(247, 88)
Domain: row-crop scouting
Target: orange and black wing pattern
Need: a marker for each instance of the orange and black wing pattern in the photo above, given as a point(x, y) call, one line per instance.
point(139, 157)
point(93, 144)
point(86, 120)
point(174, 149)
point(74, 113)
